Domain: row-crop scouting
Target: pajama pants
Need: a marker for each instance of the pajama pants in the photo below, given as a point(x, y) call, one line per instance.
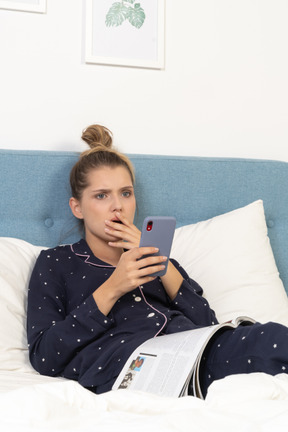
point(246, 349)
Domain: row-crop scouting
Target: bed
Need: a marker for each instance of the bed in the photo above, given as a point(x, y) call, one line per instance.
point(231, 236)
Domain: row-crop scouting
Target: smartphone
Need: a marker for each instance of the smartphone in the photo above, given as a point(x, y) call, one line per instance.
point(158, 231)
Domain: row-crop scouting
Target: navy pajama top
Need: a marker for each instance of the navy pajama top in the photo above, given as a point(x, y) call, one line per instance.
point(68, 335)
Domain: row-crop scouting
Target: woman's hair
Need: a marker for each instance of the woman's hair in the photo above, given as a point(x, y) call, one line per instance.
point(101, 154)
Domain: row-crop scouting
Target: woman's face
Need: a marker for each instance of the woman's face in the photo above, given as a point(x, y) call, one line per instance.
point(109, 190)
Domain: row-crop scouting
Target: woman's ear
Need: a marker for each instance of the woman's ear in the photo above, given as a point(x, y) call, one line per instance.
point(75, 208)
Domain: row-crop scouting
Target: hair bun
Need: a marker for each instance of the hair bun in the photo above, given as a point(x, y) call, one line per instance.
point(97, 135)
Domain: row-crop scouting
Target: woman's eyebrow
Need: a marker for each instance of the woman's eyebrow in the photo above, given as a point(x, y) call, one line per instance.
point(127, 187)
point(101, 190)
point(109, 190)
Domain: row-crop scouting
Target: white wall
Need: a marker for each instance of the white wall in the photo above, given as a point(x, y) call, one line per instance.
point(224, 90)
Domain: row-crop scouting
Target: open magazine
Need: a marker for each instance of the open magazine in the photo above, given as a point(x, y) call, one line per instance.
point(168, 365)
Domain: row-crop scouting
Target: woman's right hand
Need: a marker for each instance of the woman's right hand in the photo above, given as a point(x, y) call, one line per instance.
point(132, 270)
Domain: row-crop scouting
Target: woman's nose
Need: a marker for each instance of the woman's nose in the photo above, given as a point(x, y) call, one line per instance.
point(117, 205)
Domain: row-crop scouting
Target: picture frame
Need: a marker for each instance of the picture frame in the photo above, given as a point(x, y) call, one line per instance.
point(125, 33)
point(38, 6)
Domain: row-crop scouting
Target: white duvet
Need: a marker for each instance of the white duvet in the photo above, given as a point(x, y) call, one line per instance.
point(29, 402)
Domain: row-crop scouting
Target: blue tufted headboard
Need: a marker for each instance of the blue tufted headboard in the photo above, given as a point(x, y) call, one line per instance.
point(34, 190)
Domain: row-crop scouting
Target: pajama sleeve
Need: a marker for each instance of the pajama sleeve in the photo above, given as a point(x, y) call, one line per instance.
point(55, 336)
point(190, 301)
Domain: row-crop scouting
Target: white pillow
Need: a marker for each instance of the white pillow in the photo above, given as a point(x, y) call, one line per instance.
point(17, 259)
point(231, 258)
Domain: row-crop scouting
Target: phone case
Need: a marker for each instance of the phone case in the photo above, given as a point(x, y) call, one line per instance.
point(158, 231)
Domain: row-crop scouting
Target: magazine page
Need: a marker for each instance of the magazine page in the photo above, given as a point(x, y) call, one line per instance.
point(163, 365)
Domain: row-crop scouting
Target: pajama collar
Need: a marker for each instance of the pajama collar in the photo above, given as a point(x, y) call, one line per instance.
point(83, 251)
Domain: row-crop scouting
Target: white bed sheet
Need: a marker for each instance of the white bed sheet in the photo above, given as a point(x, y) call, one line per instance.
point(29, 402)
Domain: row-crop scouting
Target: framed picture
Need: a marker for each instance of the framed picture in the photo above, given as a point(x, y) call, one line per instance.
point(24, 5)
point(125, 33)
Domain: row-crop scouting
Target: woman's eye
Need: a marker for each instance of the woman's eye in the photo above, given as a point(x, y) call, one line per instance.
point(100, 196)
point(126, 194)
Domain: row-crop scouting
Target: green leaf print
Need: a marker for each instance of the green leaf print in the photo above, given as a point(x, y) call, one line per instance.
point(120, 11)
point(136, 15)
point(116, 14)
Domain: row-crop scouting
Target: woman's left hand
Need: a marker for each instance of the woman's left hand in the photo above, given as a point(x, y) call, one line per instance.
point(127, 233)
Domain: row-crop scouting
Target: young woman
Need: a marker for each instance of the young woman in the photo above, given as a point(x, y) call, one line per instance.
point(92, 303)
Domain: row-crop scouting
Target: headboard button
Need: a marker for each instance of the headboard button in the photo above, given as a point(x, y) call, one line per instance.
point(270, 223)
point(49, 222)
